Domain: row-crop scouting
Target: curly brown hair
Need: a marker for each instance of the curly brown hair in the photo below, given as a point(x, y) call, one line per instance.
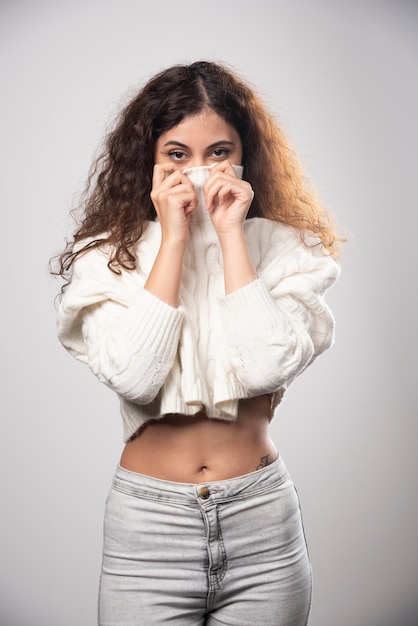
point(116, 202)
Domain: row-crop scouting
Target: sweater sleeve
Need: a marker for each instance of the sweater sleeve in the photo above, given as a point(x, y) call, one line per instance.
point(277, 325)
point(126, 335)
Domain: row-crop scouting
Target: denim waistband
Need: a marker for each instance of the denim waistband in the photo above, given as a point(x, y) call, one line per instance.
point(240, 487)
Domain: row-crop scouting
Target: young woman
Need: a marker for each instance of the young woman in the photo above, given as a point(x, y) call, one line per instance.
point(194, 289)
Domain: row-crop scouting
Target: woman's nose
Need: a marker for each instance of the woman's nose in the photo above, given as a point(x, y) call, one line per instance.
point(198, 161)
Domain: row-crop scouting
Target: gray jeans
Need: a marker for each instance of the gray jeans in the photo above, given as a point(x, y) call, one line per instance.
point(228, 552)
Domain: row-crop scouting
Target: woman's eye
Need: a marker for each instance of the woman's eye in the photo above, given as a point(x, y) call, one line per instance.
point(221, 152)
point(177, 155)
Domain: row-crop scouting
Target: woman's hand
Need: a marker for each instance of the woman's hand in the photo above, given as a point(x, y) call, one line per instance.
point(228, 199)
point(174, 199)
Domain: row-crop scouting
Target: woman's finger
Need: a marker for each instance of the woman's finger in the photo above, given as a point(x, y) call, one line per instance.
point(167, 175)
point(223, 188)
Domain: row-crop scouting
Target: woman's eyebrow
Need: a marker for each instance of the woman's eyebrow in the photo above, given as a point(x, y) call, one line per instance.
point(175, 143)
point(222, 142)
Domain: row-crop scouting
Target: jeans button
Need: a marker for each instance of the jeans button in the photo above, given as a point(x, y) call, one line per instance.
point(204, 493)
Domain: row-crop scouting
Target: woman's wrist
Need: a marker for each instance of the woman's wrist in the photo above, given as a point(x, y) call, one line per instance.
point(238, 266)
point(165, 276)
point(173, 245)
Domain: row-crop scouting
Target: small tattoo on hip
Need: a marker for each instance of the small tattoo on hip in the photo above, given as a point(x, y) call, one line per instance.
point(264, 461)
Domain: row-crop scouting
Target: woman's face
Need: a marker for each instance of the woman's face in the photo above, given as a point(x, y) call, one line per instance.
point(201, 139)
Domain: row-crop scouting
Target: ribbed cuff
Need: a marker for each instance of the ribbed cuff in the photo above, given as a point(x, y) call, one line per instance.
point(152, 321)
point(249, 309)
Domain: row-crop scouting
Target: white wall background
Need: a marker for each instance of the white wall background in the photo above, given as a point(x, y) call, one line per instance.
point(342, 77)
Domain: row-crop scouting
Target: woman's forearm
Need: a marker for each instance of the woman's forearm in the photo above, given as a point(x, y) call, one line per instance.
point(238, 267)
point(165, 277)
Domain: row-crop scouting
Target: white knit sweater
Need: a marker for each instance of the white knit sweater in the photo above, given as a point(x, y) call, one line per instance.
point(213, 349)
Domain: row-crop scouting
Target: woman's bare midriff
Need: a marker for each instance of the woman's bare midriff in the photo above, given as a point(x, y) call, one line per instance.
point(194, 449)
